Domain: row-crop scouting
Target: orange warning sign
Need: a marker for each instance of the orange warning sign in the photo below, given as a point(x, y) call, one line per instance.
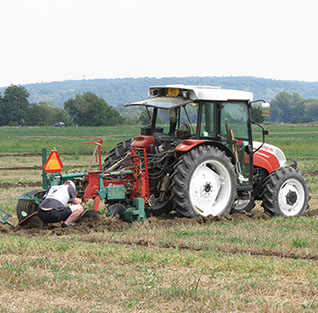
point(53, 164)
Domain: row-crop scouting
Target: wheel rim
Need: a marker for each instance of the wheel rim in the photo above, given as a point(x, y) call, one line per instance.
point(240, 205)
point(291, 197)
point(210, 188)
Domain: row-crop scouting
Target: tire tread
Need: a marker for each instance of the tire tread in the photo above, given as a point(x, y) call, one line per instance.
point(272, 185)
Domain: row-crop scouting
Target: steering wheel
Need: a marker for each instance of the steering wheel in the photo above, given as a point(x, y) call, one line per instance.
point(185, 127)
point(184, 131)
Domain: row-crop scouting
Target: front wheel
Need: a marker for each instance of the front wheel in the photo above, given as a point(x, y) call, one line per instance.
point(204, 183)
point(286, 193)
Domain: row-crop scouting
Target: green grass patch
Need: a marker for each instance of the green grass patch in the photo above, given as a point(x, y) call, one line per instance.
point(65, 140)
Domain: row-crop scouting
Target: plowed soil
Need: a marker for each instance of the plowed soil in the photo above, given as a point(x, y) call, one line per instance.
point(20, 184)
point(95, 222)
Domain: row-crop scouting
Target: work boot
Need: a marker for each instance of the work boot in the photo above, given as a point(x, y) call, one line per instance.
point(65, 225)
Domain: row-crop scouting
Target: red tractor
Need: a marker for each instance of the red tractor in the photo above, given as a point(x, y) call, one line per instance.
point(196, 157)
point(202, 160)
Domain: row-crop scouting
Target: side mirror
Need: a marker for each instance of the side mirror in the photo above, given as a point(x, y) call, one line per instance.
point(265, 107)
point(265, 132)
point(261, 104)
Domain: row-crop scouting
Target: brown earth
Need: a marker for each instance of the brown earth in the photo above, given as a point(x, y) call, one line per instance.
point(94, 222)
point(20, 184)
point(89, 223)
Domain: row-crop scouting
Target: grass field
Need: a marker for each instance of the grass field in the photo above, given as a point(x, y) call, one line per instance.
point(244, 263)
point(65, 139)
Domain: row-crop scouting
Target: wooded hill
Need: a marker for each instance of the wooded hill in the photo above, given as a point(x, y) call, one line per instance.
point(87, 109)
point(125, 90)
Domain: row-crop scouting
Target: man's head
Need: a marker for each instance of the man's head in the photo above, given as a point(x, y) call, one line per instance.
point(173, 114)
point(69, 182)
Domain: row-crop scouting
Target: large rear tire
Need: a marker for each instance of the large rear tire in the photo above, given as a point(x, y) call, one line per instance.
point(117, 152)
point(29, 206)
point(204, 183)
point(286, 193)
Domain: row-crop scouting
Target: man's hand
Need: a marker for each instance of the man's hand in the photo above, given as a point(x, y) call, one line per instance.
point(77, 201)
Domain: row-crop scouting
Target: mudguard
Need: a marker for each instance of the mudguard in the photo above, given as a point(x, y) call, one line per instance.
point(187, 145)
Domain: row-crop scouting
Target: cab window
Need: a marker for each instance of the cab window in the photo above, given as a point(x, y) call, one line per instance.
point(234, 130)
point(208, 122)
point(234, 116)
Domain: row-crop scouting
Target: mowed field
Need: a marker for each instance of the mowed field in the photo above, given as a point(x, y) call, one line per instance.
point(240, 263)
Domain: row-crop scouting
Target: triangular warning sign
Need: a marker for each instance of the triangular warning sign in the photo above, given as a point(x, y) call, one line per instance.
point(53, 164)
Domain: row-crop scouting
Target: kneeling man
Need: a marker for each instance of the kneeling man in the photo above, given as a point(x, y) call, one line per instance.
point(54, 207)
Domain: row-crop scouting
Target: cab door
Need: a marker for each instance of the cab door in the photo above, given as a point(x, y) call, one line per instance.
point(235, 134)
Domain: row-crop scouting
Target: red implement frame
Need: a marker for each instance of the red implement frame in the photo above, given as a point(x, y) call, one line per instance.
point(136, 183)
point(98, 142)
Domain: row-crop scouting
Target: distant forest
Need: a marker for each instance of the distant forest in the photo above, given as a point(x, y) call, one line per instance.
point(125, 90)
point(100, 102)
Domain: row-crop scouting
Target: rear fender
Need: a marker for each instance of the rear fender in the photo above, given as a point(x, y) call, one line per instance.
point(189, 144)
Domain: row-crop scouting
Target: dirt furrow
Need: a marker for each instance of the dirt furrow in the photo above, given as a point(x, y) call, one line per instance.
point(20, 184)
point(73, 137)
point(311, 174)
point(92, 228)
point(254, 251)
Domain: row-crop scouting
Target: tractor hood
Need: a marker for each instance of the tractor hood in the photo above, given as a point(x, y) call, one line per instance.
point(278, 153)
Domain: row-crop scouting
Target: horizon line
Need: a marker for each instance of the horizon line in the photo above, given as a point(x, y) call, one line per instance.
point(158, 78)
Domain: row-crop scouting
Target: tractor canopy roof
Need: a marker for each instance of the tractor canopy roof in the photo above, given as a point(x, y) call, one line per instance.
point(171, 96)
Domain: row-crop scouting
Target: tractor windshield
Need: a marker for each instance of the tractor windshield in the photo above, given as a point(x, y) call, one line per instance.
point(179, 121)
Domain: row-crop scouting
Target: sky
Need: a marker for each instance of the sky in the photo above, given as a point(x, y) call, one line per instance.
point(55, 40)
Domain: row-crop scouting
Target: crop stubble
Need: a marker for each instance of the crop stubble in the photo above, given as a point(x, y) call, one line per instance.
point(244, 262)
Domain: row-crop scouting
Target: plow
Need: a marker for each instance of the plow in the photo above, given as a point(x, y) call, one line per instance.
point(125, 191)
point(196, 157)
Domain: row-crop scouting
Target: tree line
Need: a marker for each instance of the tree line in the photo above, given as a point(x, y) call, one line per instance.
point(83, 110)
point(119, 91)
point(292, 108)
point(88, 109)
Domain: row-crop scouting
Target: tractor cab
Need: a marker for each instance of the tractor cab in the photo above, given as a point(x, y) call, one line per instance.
point(202, 114)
